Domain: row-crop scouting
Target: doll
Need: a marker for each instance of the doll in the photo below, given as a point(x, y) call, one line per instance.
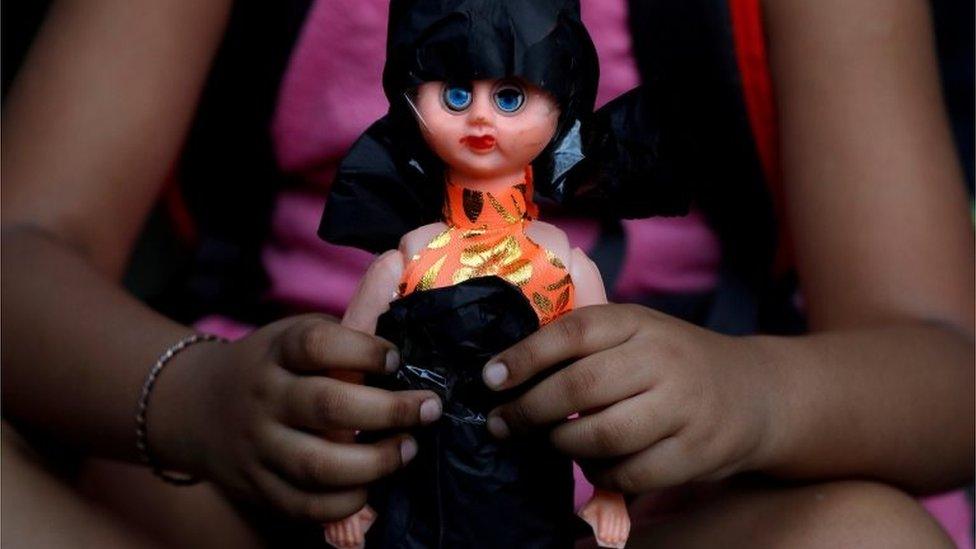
point(489, 100)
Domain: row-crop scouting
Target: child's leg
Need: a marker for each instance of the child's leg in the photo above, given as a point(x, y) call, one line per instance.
point(42, 509)
point(834, 514)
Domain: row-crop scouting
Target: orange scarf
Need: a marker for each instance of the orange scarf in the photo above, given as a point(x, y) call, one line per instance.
point(485, 236)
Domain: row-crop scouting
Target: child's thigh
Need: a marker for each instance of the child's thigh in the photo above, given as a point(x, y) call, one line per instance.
point(110, 505)
point(40, 509)
point(831, 514)
point(192, 516)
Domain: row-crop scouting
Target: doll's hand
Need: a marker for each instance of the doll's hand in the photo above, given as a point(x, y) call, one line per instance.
point(676, 402)
point(258, 411)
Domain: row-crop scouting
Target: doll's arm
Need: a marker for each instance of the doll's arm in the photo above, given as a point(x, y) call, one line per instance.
point(372, 298)
point(374, 293)
point(587, 279)
point(378, 286)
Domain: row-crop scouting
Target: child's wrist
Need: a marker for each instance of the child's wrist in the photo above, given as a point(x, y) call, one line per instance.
point(773, 381)
point(175, 436)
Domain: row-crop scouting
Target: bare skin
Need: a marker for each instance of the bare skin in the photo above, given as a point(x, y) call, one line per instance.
point(883, 241)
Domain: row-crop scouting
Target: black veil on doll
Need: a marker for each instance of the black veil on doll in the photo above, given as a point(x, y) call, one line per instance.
point(615, 162)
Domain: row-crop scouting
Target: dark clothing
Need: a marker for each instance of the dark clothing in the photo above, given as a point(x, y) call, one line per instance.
point(465, 488)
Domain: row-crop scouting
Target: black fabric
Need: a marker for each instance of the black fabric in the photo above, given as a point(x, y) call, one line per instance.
point(956, 45)
point(609, 252)
point(20, 22)
point(686, 58)
point(465, 488)
point(620, 161)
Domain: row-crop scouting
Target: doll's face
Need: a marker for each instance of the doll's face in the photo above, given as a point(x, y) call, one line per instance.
point(486, 128)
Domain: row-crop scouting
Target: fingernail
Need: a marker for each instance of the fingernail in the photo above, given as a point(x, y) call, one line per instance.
point(430, 410)
point(392, 361)
point(408, 449)
point(495, 374)
point(498, 427)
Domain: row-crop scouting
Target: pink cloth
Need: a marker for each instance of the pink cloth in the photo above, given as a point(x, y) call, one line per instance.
point(332, 92)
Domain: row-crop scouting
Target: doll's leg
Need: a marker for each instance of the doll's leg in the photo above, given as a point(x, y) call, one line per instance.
point(350, 532)
point(607, 515)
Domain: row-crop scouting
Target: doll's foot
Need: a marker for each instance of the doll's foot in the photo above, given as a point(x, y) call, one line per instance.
point(350, 532)
point(607, 514)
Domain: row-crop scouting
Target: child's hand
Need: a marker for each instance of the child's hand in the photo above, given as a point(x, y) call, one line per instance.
point(258, 411)
point(681, 403)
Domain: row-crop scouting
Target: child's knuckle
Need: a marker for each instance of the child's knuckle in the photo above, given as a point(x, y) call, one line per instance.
point(608, 437)
point(401, 411)
point(388, 459)
point(519, 413)
point(328, 404)
point(625, 479)
point(573, 328)
point(313, 466)
point(580, 381)
point(313, 340)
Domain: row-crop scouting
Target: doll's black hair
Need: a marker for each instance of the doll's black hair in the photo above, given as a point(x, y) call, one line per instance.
point(611, 161)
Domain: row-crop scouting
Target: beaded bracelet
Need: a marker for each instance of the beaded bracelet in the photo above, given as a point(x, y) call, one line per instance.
point(142, 433)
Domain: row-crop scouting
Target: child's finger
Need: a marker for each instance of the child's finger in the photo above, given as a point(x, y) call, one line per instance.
point(315, 345)
point(592, 382)
point(313, 463)
point(665, 464)
point(310, 506)
point(321, 404)
point(580, 333)
point(624, 428)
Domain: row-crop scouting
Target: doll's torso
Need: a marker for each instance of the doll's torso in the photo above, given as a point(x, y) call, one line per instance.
point(476, 285)
point(485, 236)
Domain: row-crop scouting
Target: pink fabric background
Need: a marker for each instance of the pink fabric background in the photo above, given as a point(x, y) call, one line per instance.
point(332, 92)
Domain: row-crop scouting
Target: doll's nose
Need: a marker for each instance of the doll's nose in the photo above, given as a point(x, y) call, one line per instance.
point(480, 113)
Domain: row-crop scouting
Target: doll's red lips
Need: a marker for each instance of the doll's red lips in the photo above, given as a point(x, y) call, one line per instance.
point(479, 142)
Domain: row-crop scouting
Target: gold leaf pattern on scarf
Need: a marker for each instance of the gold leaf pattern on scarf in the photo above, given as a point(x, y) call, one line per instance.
point(440, 240)
point(519, 272)
point(542, 302)
point(504, 251)
point(559, 283)
point(474, 233)
point(562, 300)
point(427, 281)
point(502, 257)
point(488, 239)
point(472, 202)
point(555, 261)
point(518, 209)
point(506, 215)
point(462, 274)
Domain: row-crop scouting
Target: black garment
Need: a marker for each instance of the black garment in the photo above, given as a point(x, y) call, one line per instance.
point(465, 488)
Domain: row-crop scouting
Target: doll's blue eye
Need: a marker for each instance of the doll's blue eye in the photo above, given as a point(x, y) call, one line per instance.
point(457, 97)
point(509, 98)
